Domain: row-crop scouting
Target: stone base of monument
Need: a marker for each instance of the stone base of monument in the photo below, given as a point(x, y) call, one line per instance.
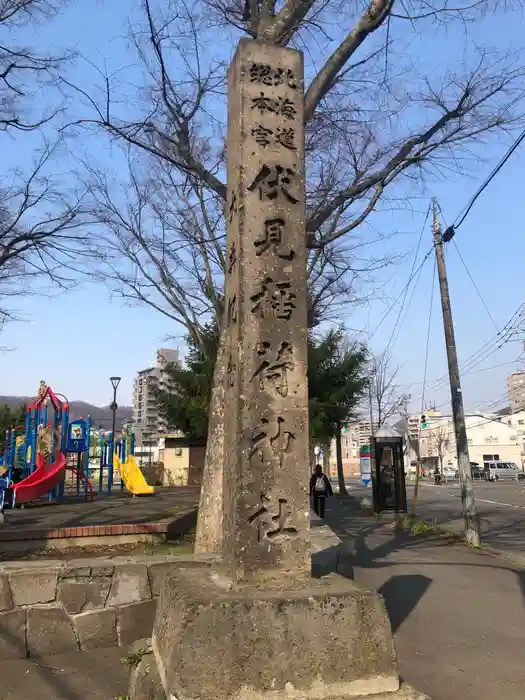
point(215, 641)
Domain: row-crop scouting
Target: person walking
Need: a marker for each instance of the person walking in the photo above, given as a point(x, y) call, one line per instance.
point(320, 489)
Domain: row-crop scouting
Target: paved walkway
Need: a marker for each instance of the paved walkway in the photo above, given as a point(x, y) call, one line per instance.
point(458, 615)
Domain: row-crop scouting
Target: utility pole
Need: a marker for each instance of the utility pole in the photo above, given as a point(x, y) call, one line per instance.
point(467, 491)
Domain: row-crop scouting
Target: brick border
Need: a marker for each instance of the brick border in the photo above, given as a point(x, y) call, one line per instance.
point(171, 527)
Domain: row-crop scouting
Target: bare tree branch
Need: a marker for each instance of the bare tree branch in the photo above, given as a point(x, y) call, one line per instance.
point(386, 399)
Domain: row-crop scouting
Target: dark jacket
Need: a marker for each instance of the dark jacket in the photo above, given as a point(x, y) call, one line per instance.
point(327, 485)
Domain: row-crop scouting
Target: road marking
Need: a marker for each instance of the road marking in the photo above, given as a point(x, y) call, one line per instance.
point(483, 500)
point(499, 503)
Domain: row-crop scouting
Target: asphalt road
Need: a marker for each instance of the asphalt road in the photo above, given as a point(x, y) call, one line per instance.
point(500, 506)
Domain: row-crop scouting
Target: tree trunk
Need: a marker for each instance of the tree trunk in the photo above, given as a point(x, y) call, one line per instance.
point(210, 519)
point(339, 459)
point(326, 458)
point(311, 454)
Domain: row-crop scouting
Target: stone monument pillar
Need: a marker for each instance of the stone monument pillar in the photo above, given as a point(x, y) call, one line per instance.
point(259, 627)
point(266, 466)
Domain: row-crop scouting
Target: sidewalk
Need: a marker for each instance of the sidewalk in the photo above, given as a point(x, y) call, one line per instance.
point(458, 615)
point(87, 675)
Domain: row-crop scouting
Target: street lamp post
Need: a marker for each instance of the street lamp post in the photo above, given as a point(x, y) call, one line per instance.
point(115, 381)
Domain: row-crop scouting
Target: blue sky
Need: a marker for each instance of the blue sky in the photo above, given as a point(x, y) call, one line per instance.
point(75, 341)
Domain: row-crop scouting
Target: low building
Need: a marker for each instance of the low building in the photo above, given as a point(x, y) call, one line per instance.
point(490, 437)
point(516, 422)
point(182, 460)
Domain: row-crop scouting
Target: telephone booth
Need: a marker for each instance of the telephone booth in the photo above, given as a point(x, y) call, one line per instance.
point(388, 475)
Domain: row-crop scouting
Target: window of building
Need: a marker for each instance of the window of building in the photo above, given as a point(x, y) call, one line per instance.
point(521, 422)
point(469, 440)
point(491, 458)
point(490, 439)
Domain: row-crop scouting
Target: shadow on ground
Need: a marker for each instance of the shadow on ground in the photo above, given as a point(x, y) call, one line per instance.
point(453, 610)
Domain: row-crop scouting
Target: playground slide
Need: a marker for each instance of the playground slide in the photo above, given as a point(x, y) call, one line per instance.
point(132, 477)
point(44, 479)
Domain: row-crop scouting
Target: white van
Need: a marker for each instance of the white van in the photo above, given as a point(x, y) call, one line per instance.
point(503, 470)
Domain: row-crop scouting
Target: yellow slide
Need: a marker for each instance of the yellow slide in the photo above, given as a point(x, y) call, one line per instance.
point(132, 477)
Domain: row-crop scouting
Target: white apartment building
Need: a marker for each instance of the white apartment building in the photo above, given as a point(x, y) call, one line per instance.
point(489, 436)
point(145, 414)
point(516, 389)
point(516, 422)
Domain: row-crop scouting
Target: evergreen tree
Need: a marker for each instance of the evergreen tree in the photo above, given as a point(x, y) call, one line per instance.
point(10, 418)
point(337, 379)
point(185, 406)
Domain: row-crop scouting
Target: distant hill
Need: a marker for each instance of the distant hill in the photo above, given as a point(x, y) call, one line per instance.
point(100, 415)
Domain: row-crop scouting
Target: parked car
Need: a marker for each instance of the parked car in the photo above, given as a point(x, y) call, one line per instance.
point(503, 470)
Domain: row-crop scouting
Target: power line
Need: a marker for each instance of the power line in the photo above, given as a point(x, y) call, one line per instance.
point(488, 180)
point(427, 255)
point(410, 278)
point(485, 351)
point(475, 286)
point(428, 335)
point(468, 273)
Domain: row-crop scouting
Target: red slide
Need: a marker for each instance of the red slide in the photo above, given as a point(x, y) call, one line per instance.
point(43, 480)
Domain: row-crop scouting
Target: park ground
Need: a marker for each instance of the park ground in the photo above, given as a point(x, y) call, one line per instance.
point(458, 615)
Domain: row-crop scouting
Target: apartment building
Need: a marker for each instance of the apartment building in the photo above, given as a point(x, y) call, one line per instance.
point(516, 389)
point(353, 437)
point(147, 383)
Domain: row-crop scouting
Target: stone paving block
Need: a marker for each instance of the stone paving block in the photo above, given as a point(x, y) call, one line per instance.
point(96, 629)
point(13, 635)
point(130, 585)
point(159, 569)
point(85, 594)
point(6, 599)
point(32, 586)
point(49, 631)
point(102, 570)
point(73, 570)
point(136, 621)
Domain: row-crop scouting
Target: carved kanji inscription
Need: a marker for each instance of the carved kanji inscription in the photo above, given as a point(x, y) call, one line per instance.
point(274, 181)
point(264, 74)
point(274, 230)
point(273, 366)
point(273, 518)
point(273, 299)
point(271, 438)
point(281, 106)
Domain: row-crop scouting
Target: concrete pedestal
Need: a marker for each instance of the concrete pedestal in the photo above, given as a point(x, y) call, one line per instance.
point(331, 640)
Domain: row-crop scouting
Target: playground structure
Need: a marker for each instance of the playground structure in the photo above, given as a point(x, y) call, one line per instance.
point(37, 463)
